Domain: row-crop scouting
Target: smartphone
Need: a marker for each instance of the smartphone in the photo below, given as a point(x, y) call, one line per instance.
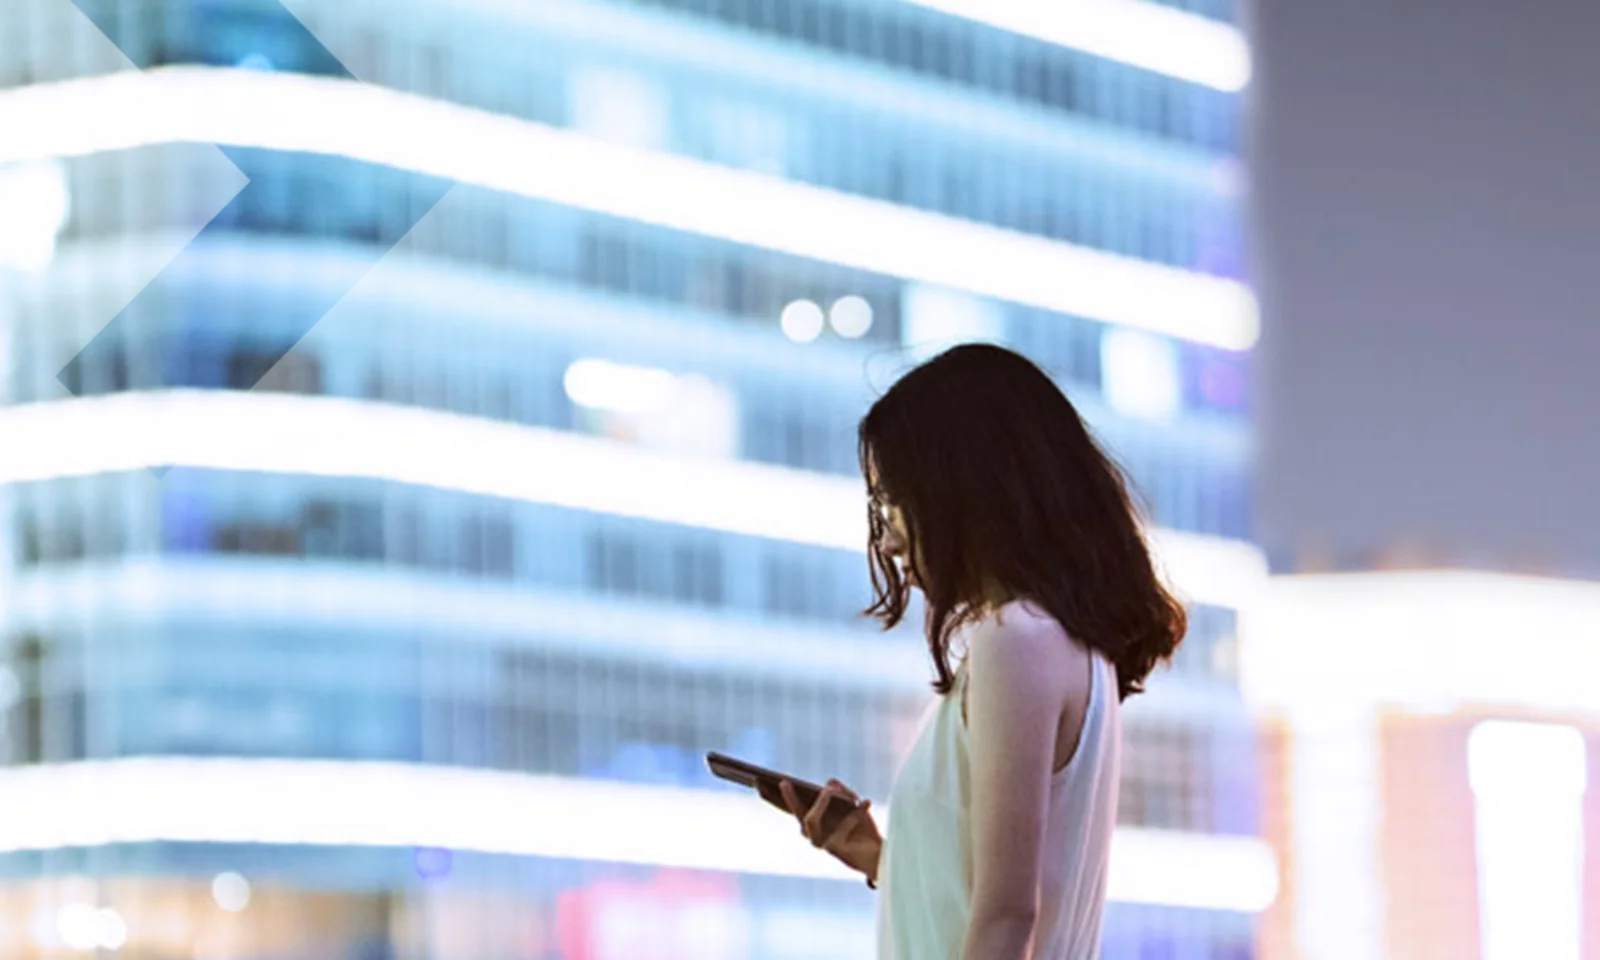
point(766, 783)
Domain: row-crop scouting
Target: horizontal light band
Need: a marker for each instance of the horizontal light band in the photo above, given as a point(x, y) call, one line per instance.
point(744, 57)
point(332, 595)
point(354, 804)
point(246, 108)
point(1151, 36)
point(1424, 640)
point(1147, 35)
point(337, 437)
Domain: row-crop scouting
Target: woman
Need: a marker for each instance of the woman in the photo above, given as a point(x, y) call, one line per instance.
point(990, 497)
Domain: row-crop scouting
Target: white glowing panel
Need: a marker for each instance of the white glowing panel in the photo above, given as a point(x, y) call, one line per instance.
point(1335, 840)
point(330, 803)
point(934, 319)
point(35, 201)
point(1141, 374)
point(363, 122)
point(618, 387)
point(1425, 640)
point(689, 415)
point(700, 419)
point(285, 433)
point(1161, 868)
point(1143, 34)
point(1528, 782)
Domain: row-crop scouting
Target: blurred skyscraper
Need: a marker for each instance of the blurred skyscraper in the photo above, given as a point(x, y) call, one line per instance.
point(407, 638)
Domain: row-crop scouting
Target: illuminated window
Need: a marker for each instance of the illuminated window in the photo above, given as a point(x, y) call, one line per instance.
point(686, 414)
point(934, 320)
point(1140, 374)
point(37, 201)
point(1528, 782)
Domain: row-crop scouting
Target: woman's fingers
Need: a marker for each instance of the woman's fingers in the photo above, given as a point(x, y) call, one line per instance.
point(846, 827)
point(811, 821)
point(813, 818)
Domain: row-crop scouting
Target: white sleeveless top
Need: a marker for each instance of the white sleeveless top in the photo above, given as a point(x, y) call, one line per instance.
point(925, 867)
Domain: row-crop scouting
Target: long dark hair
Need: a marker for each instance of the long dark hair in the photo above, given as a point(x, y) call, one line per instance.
point(1002, 488)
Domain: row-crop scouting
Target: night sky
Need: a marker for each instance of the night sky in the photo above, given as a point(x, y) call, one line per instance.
point(1427, 232)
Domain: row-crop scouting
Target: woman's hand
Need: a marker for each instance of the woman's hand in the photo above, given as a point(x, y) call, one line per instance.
point(855, 842)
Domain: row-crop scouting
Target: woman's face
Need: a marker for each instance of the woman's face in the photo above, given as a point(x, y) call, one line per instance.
point(896, 542)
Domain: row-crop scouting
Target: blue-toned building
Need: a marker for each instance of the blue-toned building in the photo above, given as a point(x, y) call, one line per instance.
point(406, 637)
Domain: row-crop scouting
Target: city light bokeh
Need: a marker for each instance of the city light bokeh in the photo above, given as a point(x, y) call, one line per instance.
point(473, 449)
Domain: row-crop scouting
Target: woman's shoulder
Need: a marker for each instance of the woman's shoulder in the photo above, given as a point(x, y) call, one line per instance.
point(1024, 630)
point(1022, 656)
point(1022, 620)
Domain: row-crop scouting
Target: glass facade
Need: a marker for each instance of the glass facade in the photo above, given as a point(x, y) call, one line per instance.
point(567, 634)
